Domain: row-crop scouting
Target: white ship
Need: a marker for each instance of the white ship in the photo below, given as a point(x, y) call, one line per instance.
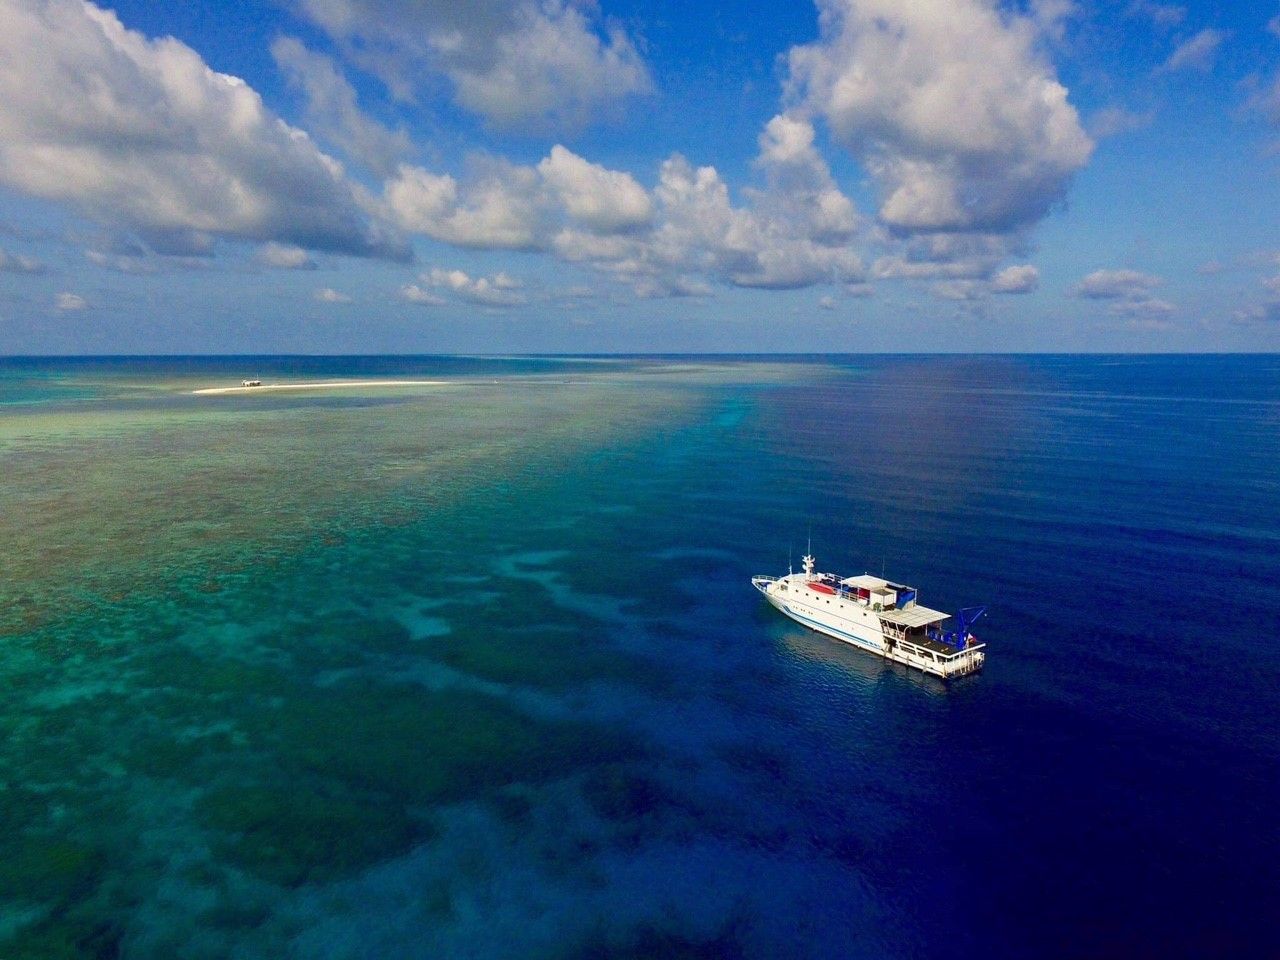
point(878, 616)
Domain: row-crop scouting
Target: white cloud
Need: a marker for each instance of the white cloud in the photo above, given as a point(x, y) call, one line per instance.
point(1016, 279)
point(415, 294)
point(1130, 294)
point(801, 189)
point(514, 62)
point(1113, 121)
point(122, 262)
point(961, 290)
point(502, 206)
point(1198, 53)
point(329, 295)
point(1051, 16)
point(765, 246)
point(607, 201)
point(1115, 284)
point(69, 302)
point(1266, 99)
point(282, 256)
point(332, 110)
point(497, 291)
point(143, 134)
point(794, 234)
point(1268, 311)
point(956, 256)
point(1259, 313)
point(827, 303)
point(949, 105)
point(1146, 308)
point(17, 263)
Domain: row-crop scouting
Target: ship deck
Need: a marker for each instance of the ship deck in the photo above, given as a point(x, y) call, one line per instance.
point(937, 646)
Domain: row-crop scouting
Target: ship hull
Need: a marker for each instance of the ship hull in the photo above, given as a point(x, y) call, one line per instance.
point(859, 627)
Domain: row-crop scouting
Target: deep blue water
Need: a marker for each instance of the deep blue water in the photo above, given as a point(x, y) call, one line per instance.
point(1108, 786)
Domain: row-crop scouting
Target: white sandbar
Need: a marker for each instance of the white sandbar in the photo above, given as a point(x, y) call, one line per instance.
point(322, 385)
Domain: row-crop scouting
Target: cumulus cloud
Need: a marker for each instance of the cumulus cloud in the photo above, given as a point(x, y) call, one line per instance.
point(794, 234)
point(69, 302)
point(501, 206)
point(122, 262)
point(1268, 310)
point(17, 263)
point(329, 295)
point(606, 201)
point(766, 245)
point(514, 62)
point(1198, 53)
point(1258, 313)
point(960, 290)
point(949, 105)
point(283, 256)
point(416, 294)
point(1115, 284)
point(1016, 279)
point(500, 290)
point(1148, 309)
point(956, 256)
point(143, 134)
point(1130, 293)
point(332, 110)
point(801, 189)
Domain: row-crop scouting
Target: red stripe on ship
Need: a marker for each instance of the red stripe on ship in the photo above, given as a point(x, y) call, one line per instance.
point(820, 587)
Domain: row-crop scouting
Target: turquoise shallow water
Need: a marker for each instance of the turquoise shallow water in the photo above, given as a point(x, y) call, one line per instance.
point(478, 672)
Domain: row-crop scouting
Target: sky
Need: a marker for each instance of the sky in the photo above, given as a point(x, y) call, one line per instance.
point(370, 176)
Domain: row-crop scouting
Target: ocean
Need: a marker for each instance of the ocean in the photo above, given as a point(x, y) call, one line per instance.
point(477, 670)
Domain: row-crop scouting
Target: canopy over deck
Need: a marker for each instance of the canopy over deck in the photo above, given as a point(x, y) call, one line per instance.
point(914, 616)
point(867, 582)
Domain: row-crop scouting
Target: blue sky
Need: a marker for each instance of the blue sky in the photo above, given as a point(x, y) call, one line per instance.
point(546, 175)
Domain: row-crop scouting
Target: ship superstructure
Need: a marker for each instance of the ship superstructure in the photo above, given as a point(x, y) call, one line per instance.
point(878, 616)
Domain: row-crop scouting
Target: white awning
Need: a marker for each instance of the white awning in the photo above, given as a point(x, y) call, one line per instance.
point(866, 581)
point(914, 616)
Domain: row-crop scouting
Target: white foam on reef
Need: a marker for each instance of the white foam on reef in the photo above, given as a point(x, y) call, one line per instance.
point(321, 385)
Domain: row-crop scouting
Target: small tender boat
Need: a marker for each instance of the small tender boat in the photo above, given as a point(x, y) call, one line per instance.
point(878, 616)
point(250, 383)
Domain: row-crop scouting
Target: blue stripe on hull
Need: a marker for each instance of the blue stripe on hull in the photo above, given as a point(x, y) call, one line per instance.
point(832, 631)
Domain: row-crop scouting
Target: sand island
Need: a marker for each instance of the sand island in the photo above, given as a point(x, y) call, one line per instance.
point(319, 385)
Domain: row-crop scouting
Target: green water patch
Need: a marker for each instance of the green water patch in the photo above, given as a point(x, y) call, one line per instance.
point(107, 504)
point(308, 831)
point(651, 942)
point(339, 639)
point(348, 774)
point(551, 656)
point(58, 878)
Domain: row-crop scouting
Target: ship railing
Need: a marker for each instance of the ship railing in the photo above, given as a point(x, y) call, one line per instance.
point(959, 652)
